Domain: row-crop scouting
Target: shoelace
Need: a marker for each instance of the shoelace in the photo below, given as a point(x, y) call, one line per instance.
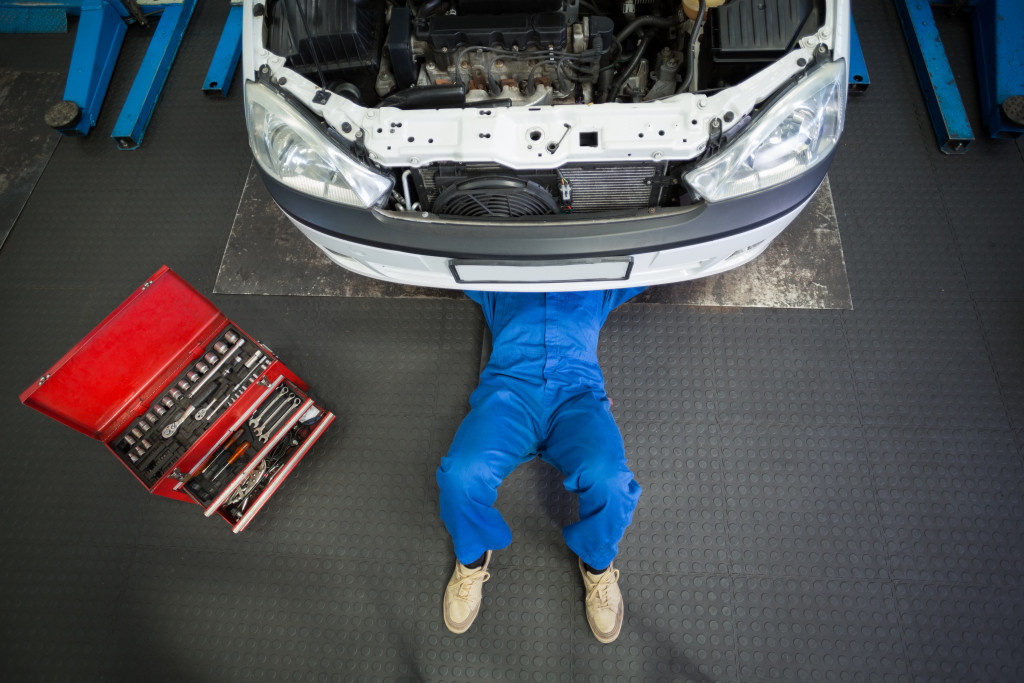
point(465, 583)
point(598, 593)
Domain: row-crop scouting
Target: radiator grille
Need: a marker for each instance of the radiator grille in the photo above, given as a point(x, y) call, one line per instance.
point(600, 188)
point(594, 187)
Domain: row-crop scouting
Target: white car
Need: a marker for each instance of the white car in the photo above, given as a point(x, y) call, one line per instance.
point(544, 145)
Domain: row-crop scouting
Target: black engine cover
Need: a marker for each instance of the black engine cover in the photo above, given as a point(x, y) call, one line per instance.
point(343, 36)
point(539, 31)
point(503, 6)
point(761, 30)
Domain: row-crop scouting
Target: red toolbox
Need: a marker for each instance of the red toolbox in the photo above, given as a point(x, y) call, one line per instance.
point(195, 408)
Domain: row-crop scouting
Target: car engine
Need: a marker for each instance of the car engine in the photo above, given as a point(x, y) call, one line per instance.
point(456, 53)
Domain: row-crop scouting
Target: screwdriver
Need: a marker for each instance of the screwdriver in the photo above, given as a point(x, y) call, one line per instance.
point(238, 452)
point(223, 451)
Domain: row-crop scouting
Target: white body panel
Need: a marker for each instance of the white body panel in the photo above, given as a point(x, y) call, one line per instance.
point(650, 268)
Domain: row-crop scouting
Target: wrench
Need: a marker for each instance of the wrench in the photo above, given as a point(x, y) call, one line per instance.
point(255, 420)
point(270, 416)
point(170, 429)
point(265, 436)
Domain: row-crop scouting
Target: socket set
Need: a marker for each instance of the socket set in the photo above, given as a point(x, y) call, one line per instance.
point(175, 420)
point(192, 406)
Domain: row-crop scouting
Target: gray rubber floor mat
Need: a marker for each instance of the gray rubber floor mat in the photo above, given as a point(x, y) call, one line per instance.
point(803, 268)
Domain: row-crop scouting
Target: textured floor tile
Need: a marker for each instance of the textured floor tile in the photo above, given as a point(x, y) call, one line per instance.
point(951, 502)
point(61, 603)
point(657, 364)
point(817, 630)
point(801, 502)
point(524, 630)
point(679, 525)
point(1002, 323)
point(962, 632)
point(922, 362)
point(782, 367)
point(678, 628)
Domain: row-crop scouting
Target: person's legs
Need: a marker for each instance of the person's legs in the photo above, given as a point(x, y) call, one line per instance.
point(585, 444)
point(497, 435)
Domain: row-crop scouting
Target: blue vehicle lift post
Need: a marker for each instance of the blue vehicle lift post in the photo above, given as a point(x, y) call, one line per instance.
point(859, 80)
point(101, 30)
point(999, 53)
point(229, 51)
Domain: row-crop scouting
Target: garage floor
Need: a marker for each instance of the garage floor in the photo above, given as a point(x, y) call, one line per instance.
point(828, 494)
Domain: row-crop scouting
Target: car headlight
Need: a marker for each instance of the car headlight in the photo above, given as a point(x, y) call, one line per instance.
point(292, 149)
point(793, 135)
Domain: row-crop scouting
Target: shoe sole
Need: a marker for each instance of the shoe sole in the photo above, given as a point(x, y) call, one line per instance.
point(455, 628)
point(605, 638)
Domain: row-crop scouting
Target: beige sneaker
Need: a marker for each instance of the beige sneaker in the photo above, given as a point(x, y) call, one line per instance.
point(463, 595)
point(604, 603)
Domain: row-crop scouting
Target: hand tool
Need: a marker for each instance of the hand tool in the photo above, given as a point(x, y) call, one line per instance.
point(211, 358)
point(208, 413)
point(129, 440)
point(271, 414)
point(192, 376)
point(201, 367)
point(183, 385)
point(220, 347)
point(247, 485)
point(206, 378)
point(258, 416)
point(230, 337)
point(242, 448)
point(223, 450)
point(150, 417)
point(170, 429)
point(264, 434)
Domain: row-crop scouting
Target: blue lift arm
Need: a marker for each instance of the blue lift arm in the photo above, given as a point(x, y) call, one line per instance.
point(229, 51)
point(101, 29)
point(999, 55)
point(149, 81)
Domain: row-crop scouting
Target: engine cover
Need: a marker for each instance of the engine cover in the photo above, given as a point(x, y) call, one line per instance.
point(515, 6)
point(507, 31)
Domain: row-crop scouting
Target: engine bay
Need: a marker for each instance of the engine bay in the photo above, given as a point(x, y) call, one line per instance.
point(435, 54)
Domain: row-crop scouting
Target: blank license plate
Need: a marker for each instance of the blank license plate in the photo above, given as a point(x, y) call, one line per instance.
point(596, 270)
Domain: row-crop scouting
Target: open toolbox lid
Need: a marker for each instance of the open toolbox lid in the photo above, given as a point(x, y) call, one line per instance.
point(133, 353)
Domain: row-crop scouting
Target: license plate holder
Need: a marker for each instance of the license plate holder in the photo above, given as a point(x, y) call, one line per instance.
point(473, 271)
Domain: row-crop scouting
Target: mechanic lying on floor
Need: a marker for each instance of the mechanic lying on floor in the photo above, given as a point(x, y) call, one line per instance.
point(542, 392)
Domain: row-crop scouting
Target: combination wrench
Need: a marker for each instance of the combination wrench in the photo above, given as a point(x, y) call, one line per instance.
point(270, 416)
point(263, 435)
point(260, 416)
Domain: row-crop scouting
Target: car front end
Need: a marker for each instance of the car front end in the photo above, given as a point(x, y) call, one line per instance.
point(549, 144)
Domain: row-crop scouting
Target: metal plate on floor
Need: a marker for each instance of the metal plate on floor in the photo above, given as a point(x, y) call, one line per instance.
point(802, 268)
point(27, 141)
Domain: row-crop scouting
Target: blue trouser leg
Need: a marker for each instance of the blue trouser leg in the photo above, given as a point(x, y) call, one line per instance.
point(585, 444)
point(498, 435)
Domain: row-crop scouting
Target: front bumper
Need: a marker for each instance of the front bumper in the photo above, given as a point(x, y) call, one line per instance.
point(668, 245)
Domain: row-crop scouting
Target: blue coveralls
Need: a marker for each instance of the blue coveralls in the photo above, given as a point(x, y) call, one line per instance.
point(542, 392)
